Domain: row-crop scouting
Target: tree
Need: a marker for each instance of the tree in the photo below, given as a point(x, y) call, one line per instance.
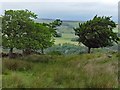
point(97, 33)
point(15, 23)
point(42, 36)
point(19, 30)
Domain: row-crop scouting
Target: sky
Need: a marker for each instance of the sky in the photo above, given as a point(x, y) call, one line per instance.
point(76, 10)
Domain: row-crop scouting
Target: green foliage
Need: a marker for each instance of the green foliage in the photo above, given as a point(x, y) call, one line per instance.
point(55, 23)
point(41, 37)
point(97, 32)
point(14, 24)
point(21, 32)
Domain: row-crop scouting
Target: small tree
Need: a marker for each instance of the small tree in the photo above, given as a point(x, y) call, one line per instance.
point(97, 33)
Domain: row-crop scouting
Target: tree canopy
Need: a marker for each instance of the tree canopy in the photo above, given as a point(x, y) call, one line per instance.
point(97, 32)
point(15, 23)
point(19, 30)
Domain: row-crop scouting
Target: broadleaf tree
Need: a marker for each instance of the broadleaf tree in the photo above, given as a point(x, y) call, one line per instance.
point(97, 32)
point(43, 36)
point(19, 30)
point(14, 25)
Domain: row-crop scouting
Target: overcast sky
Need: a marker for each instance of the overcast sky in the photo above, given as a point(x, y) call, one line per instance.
point(66, 9)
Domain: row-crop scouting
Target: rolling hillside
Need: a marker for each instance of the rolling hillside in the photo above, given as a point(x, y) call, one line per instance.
point(67, 30)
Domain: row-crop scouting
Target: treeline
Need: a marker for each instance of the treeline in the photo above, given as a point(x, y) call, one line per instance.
point(19, 30)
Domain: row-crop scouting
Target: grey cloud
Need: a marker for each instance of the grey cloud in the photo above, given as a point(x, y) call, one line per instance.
point(66, 10)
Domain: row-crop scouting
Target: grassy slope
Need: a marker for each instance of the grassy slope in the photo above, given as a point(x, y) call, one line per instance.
point(83, 71)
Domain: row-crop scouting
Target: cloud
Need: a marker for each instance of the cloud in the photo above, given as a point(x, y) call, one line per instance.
point(73, 10)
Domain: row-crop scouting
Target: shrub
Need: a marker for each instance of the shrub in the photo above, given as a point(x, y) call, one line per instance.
point(66, 49)
point(16, 65)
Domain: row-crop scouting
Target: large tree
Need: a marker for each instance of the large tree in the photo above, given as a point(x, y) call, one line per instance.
point(97, 32)
point(15, 23)
point(22, 32)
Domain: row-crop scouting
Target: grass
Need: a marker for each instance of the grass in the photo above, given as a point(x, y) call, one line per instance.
point(15, 65)
point(94, 70)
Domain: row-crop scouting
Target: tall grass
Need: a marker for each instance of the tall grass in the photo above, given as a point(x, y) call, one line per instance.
point(15, 65)
point(95, 70)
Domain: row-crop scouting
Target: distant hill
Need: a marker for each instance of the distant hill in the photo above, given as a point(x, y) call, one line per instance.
point(65, 22)
point(66, 29)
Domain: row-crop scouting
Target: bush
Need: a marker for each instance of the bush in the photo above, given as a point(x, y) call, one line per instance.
point(66, 49)
point(15, 65)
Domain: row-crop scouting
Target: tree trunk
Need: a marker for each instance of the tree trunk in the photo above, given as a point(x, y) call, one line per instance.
point(89, 49)
point(11, 53)
point(42, 50)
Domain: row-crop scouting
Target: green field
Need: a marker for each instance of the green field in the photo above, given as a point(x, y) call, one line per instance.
point(96, 70)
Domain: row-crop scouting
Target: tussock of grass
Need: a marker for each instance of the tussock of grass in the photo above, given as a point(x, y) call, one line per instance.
point(15, 65)
point(75, 71)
